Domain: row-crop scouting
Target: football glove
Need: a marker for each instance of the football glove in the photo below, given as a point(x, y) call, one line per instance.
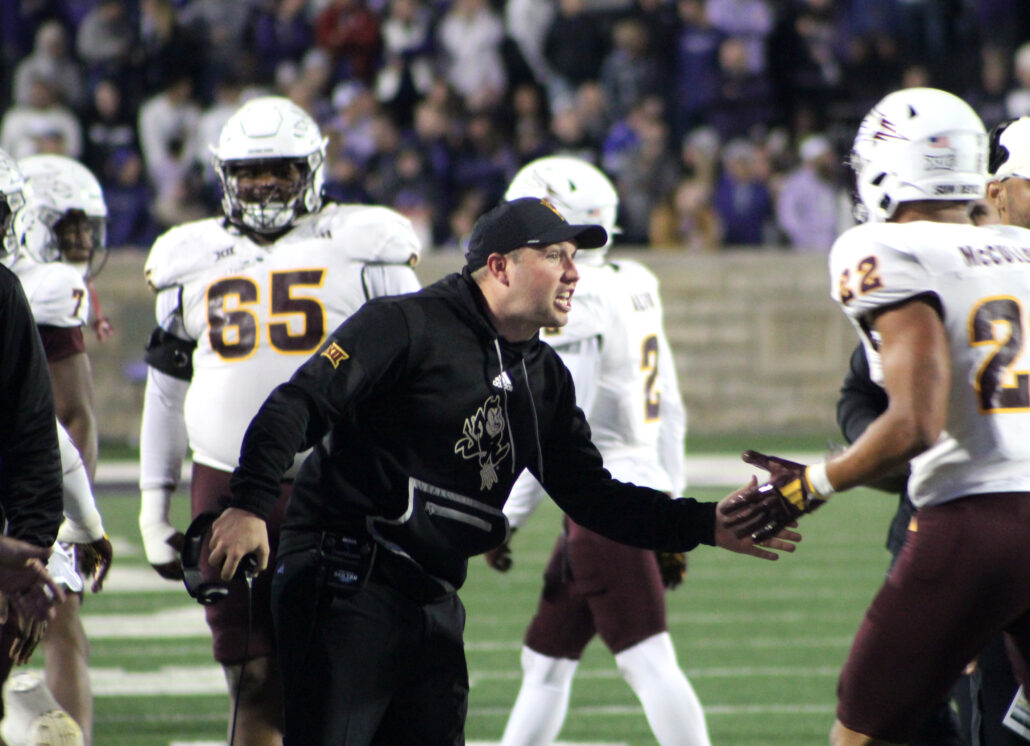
point(499, 558)
point(30, 632)
point(673, 568)
point(772, 506)
point(95, 560)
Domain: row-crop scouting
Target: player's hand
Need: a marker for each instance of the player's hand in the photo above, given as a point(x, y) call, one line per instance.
point(499, 558)
point(102, 328)
point(777, 503)
point(172, 569)
point(746, 507)
point(235, 534)
point(162, 542)
point(95, 561)
point(673, 568)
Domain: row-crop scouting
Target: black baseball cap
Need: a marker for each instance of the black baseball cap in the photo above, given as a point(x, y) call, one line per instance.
point(526, 222)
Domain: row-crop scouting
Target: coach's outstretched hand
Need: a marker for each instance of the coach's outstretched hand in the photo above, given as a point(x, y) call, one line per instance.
point(778, 503)
point(741, 514)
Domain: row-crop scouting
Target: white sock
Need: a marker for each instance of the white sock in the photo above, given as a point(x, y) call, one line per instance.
point(670, 704)
point(539, 711)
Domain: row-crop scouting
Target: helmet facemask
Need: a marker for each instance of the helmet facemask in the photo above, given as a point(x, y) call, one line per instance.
point(81, 241)
point(65, 217)
point(9, 205)
point(267, 195)
point(273, 141)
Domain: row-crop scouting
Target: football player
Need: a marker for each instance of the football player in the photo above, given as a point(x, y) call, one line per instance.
point(56, 234)
point(242, 301)
point(625, 379)
point(941, 306)
point(34, 479)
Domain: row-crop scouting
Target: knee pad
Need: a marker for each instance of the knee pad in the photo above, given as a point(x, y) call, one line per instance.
point(32, 716)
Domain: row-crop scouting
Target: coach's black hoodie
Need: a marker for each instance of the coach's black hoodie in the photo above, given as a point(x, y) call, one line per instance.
point(422, 417)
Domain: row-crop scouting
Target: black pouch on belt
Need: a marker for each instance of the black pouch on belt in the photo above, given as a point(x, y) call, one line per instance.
point(346, 561)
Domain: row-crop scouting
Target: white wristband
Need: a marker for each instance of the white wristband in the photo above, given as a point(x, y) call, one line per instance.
point(818, 480)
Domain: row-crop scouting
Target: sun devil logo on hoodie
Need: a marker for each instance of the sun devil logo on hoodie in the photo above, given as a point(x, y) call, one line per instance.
point(485, 439)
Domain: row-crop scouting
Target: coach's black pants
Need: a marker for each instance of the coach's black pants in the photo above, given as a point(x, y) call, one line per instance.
point(379, 668)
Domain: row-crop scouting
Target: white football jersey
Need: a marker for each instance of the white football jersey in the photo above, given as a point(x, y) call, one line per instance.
point(615, 347)
point(56, 292)
point(258, 312)
point(981, 278)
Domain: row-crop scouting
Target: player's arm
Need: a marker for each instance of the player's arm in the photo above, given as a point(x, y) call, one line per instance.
point(917, 376)
point(380, 280)
point(861, 402)
point(82, 524)
point(163, 441)
point(72, 380)
point(916, 372)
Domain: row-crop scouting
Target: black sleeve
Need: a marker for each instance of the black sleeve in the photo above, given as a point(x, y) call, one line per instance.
point(299, 413)
point(170, 354)
point(861, 401)
point(30, 459)
point(575, 477)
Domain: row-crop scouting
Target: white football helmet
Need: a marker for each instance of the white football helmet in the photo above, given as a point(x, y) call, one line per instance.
point(579, 190)
point(62, 195)
point(1010, 150)
point(270, 131)
point(12, 199)
point(918, 144)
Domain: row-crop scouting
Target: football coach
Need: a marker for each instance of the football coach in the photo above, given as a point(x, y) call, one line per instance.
point(422, 410)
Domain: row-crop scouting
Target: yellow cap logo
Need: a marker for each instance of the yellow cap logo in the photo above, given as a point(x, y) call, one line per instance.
point(335, 354)
point(552, 208)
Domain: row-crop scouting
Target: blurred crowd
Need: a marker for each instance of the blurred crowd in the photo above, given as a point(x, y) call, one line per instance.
point(721, 122)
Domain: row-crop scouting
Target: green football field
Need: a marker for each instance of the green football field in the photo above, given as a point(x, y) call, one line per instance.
point(761, 642)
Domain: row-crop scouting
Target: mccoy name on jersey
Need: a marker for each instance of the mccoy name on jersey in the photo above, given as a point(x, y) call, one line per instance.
point(980, 278)
point(257, 312)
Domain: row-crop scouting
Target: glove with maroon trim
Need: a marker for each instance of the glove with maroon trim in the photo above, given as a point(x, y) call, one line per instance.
point(673, 568)
point(765, 510)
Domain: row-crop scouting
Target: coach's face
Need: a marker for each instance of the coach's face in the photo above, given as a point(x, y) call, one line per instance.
point(543, 280)
point(1011, 197)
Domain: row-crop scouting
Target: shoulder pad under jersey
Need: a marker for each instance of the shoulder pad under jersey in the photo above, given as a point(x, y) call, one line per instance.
point(56, 292)
point(187, 250)
point(369, 233)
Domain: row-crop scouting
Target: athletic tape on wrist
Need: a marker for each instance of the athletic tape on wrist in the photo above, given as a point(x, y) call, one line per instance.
point(818, 481)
